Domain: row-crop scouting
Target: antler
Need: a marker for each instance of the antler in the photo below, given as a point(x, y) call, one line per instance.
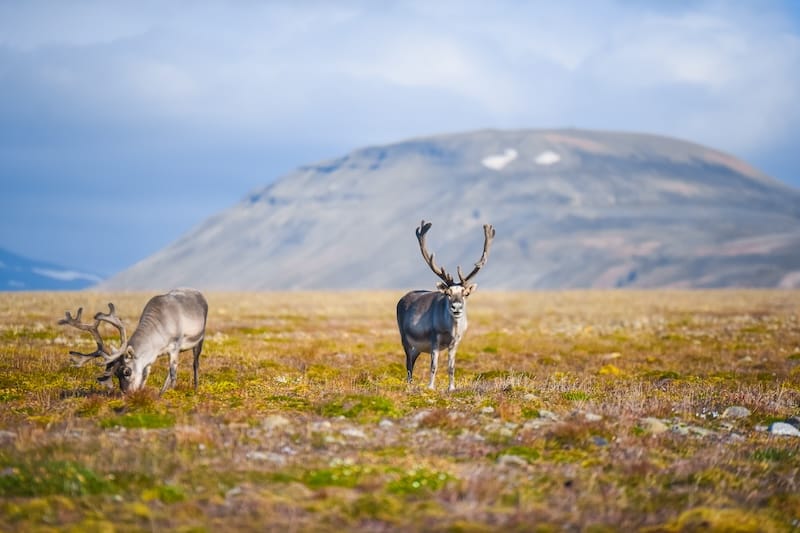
point(112, 318)
point(488, 237)
point(78, 358)
point(439, 271)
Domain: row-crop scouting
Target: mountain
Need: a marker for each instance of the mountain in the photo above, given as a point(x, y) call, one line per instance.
point(19, 273)
point(572, 209)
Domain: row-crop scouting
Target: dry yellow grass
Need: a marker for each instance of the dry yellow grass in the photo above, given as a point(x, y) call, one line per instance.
point(303, 420)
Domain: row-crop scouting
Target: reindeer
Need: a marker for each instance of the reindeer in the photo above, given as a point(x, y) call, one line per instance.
point(170, 323)
point(430, 321)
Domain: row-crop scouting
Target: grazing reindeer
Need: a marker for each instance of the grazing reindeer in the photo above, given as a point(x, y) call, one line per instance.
point(430, 321)
point(170, 323)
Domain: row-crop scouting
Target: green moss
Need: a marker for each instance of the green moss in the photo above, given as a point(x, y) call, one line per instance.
point(140, 420)
point(164, 493)
point(377, 507)
point(729, 520)
point(501, 375)
point(775, 455)
point(46, 477)
point(296, 403)
point(27, 334)
point(364, 407)
point(419, 481)
point(8, 394)
point(576, 396)
point(320, 374)
point(338, 475)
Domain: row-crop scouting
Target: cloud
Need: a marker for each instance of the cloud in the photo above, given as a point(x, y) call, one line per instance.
point(120, 97)
point(727, 76)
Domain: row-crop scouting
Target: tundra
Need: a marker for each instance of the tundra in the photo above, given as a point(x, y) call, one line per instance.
point(431, 321)
point(170, 323)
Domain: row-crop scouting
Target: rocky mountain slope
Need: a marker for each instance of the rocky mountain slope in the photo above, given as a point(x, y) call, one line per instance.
point(572, 208)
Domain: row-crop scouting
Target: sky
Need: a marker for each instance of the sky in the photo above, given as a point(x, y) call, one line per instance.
point(125, 124)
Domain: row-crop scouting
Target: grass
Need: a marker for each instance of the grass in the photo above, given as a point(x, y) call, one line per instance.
point(303, 420)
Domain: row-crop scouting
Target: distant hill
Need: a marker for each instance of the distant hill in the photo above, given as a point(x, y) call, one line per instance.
point(572, 209)
point(19, 273)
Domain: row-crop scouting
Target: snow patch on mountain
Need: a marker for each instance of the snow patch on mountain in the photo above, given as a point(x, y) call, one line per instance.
point(499, 161)
point(547, 158)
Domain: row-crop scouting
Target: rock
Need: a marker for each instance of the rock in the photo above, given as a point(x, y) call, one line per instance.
point(736, 411)
point(274, 422)
point(599, 441)
point(782, 428)
point(700, 431)
point(417, 418)
point(794, 421)
point(266, 456)
point(321, 426)
point(651, 425)
point(7, 435)
point(536, 423)
point(549, 415)
point(487, 410)
point(512, 460)
point(353, 433)
point(592, 417)
point(385, 423)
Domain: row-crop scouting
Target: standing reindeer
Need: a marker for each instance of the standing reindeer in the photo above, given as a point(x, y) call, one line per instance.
point(170, 323)
point(430, 321)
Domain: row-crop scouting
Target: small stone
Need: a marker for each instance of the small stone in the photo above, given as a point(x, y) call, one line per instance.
point(700, 431)
point(536, 423)
point(512, 460)
point(274, 422)
point(266, 456)
point(321, 426)
point(549, 415)
point(529, 397)
point(782, 428)
point(680, 428)
point(599, 441)
point(736, 411)
point(354, 433)
point(10, 435)
point(487, 410)
point(652, 425)
point(386, 423)
point(592, 417)
point(794, 421)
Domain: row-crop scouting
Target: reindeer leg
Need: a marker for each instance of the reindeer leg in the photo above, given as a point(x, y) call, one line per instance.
point(434, 366)
point(172, 376)
point(196, 363)
point(411, 359)
point(451, 366)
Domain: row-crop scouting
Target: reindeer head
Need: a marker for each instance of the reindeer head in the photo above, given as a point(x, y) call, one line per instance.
point(131, 371)
point(110, 355)
point(456, 292)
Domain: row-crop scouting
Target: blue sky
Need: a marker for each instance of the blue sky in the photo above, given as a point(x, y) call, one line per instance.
point(124, 124)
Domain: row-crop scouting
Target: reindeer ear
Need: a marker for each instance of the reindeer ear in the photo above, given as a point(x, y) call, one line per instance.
point(470, 288)
point(442, 286)
point(129, 352)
